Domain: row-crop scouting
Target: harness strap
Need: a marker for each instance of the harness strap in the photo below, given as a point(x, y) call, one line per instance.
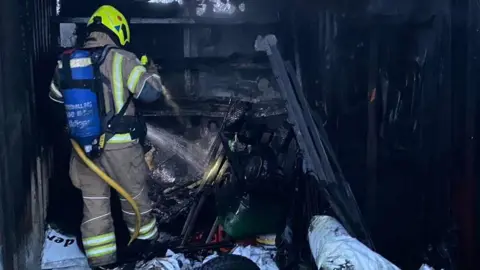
point(120, 123)
point(125, 106)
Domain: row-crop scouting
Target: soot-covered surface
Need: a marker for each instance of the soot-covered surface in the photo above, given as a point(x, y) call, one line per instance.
point(393, 81)
point(396, 83)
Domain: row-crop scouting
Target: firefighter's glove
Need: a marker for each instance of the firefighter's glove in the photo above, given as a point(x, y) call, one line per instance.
point(151, 67)
point(149, 64)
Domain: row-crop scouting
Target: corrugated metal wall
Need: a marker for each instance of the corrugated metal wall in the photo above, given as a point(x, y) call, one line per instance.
point(397, 83)
point(25, 39)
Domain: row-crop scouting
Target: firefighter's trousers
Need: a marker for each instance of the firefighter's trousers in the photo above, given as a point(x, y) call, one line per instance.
point(125, 163)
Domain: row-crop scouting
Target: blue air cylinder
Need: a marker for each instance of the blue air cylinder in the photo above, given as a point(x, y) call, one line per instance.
point(81, 102)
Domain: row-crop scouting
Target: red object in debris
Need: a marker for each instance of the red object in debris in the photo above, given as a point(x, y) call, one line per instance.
point(198, 237)
point(219, 235)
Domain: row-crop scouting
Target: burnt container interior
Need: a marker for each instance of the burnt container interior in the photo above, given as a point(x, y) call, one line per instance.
point(395, 81)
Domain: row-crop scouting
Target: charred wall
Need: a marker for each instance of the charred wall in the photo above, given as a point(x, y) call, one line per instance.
point(466, 192)
point(25, 39)
point(396, 82)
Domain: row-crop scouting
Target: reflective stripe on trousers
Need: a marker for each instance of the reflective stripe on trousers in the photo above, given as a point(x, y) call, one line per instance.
point(148, 231)
point(99, 246)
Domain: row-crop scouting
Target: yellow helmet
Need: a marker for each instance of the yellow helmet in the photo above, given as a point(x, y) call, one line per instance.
point(109, 18)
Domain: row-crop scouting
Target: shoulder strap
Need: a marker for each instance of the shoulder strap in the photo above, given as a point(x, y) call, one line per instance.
point(125, 106)
point(99, 54)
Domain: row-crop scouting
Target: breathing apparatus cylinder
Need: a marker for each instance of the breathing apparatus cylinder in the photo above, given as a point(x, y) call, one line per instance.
point(82, 103)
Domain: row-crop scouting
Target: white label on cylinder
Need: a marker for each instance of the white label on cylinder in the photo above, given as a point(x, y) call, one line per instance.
point(88, 148)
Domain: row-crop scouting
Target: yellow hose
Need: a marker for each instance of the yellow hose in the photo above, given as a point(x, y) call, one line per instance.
point(114, 185)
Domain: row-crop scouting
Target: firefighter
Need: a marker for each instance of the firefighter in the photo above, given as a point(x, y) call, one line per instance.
point(112, 76)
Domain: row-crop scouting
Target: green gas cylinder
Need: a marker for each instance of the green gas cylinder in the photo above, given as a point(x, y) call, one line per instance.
point(251, 215)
